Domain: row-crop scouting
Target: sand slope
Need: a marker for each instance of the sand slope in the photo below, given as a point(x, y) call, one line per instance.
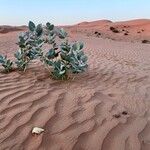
point(79, 114)
point(135, 30)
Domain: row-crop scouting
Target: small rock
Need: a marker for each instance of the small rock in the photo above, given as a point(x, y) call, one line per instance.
point(37, 130)
point(145, 41)
point(95, 32)
point(114, 30)
point(124, 113)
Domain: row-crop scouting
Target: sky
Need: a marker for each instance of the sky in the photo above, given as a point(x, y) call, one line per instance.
point(66, 12)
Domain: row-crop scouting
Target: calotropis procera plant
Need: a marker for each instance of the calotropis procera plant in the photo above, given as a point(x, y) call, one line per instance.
point(30, 46)
point(60, 59)
point(6, 63)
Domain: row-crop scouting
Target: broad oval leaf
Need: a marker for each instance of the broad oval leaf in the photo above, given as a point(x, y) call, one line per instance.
point(51, 54)
point(49, 26)
point(62, 33)
point(39, 30)
point(31, 26)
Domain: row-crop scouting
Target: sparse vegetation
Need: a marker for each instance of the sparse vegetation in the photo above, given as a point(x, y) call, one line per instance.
point(6, 63)
point(59, 59)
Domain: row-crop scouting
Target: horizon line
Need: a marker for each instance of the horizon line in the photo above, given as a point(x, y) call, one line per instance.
point(71, 24)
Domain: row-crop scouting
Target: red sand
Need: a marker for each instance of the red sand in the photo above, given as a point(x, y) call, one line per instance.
point(136, 30)
point(82, 114)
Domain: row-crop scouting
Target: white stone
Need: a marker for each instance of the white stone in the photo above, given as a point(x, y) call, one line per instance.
point(37, 130)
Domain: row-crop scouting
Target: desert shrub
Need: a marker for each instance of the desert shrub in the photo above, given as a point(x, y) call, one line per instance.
point(65, 58)
point(6, 63)
point(60, 59)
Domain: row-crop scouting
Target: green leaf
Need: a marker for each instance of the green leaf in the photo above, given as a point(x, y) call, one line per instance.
point(18, 55)
point(51, 54)
point(31, 26)
point(81, 45)
point(48, 62)
point(65, 57)
point(59, 70)
point(51, 38)
point(62, 33)
point(39, 30)
point(32, 54)
point(65, 47)
point(84, 58)
point(22, 65)
point(77, 46)
point(6, 63)
point(49, 26)
point(1, 59)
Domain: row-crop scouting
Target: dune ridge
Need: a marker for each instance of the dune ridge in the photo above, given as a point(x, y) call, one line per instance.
point(6, 29)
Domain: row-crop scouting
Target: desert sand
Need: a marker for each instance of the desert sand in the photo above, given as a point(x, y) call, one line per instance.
point(105, 108)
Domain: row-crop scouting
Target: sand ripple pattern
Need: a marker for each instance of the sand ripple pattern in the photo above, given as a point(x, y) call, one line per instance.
point(78, 114)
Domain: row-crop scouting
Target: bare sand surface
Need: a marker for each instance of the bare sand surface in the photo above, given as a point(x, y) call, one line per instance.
point(135, 30)
point(105, 108)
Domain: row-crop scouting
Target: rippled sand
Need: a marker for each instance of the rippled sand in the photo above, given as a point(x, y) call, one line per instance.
point(79, 114)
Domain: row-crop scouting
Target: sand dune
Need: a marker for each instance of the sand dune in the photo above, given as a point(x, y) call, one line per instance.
point(135, 30)
point(7, 29)
point(105, 108)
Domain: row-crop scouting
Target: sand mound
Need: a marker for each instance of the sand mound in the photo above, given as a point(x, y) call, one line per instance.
point(105, 108)
point(94, 23)
point(6, 29)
